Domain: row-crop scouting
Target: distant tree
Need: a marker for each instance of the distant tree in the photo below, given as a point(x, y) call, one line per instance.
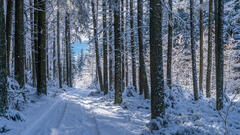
point(19, 47)
point(193, 50)
point(9, 31)
point(169, 53)
point(105, 48)
point(110, 52)
point(201, 49)
point(156, 60)
point(126, 40)
point(122, 46)
point(143, 85)
point(210, 42)
point(98, 66)
point(117, 43)
point(58, 48)
point(3, 65)
point(133, 46)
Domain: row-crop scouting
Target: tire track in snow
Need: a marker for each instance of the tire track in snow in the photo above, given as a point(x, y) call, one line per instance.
point(47, 120)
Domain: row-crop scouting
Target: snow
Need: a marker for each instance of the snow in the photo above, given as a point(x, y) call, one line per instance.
point(75, 113)
point(84, 111)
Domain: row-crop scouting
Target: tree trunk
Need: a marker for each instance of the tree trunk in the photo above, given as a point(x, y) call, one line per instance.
point(59, 49)
point(126, 39)
point(54, 53)
point(117, 42)
point(219, 9)
point(156, 60)
point(33, 43)
point(193, 49)
point(99, 71)
point(105, 51)
point(169, 54)
point(19, 43)
point(110, 53)
point(209, 66)
point(9, 32)
point(122, 46)
point(201, 49)
point(66, 49)
point(133, 47)
point(143, 85)
point(41, 66)
point(3, 66)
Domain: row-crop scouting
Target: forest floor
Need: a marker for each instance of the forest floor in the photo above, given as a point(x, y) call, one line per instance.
point(84, 111)
point(74, 112)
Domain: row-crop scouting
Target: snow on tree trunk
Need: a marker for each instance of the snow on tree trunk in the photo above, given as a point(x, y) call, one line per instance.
point(143, 85)
point(209, 65)
point(193, 49)
point(117, 43)
point(105, 50)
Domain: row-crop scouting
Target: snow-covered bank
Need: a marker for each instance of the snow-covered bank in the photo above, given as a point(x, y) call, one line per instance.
point(184, 116)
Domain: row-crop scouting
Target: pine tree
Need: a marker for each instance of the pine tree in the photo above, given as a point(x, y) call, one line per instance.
point(9, 31)
point(193, 50)
point(201, 49)
point(105, 51)
point(156, 60)
point(58, 48)
point(98, 66)
point(122, 47)
point(3, 66)
point(169, 54)
point(41, 49)
point(117, 43)
point(209, 66)
point(219, 51)
point(133, 46)
point(126, 39)
point(19, 47)
point(110, 52)
point(143, 85)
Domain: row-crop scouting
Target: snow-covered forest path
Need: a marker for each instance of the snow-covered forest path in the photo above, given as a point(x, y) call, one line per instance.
point(75, 113)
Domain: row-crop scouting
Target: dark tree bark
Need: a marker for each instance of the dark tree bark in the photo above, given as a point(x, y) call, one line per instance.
point(122, 46)
point(99, 71)
point(126, 39)
point(59, 49)
point(143, 85)
point(105, 51)
point(67, 49)
point(19, 48)
point(169, 54)
point(110, 53)
point(133, 47)
point(201, 49)
point(156, 60)
point(193, 49)
point(209, 66)
point(117, 42)
point(3, 65)
point(41, 61)
point(9, 31)
point(33, 43)
point(219, 10)
point(54, 53)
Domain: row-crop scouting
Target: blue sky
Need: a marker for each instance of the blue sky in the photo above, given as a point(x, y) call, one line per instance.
point(78, 46)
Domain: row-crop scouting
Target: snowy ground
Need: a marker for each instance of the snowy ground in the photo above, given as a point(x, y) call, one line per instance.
point(75, 113)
